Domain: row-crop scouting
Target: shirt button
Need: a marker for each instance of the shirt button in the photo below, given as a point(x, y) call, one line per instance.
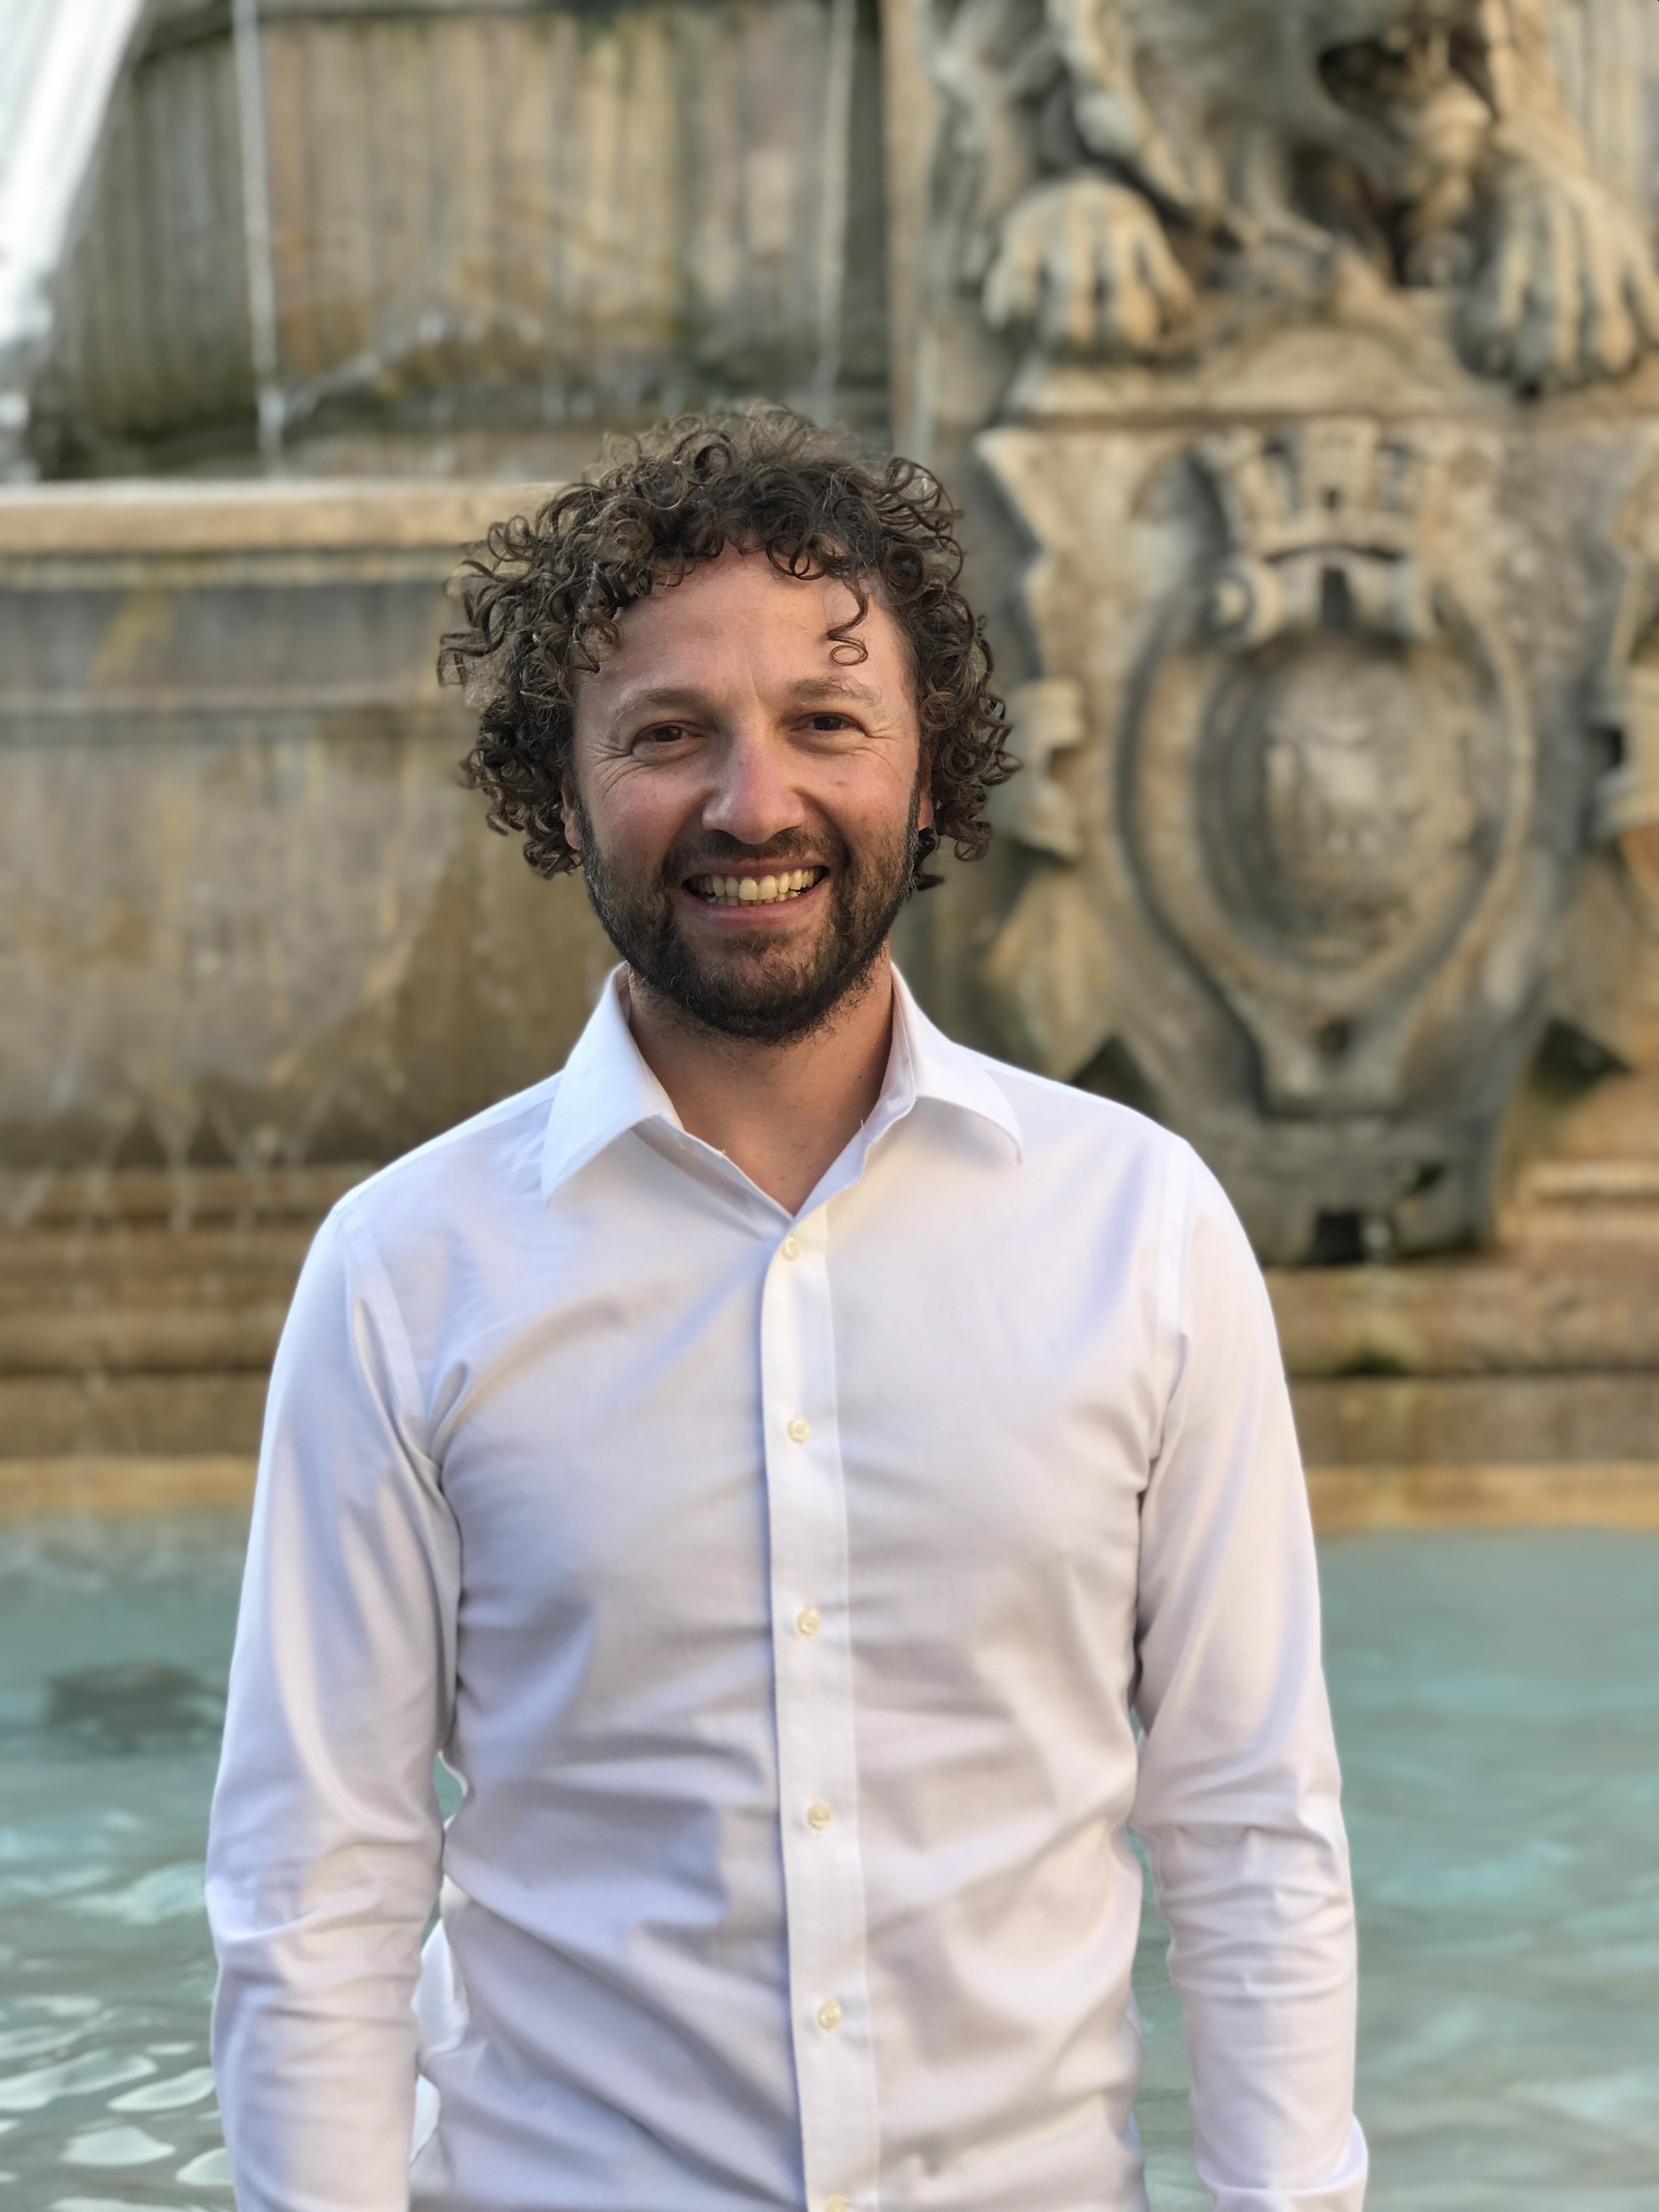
point(799, 1429)
point(810, 1621)
point(818, 1815)
point(830, 2013)
point(790, 1248)
point(837, 2204)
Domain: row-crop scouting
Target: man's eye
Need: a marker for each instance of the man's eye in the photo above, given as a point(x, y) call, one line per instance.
point(829, 722)
point(662, 734)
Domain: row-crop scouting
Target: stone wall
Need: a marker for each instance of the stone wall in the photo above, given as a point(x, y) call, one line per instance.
point(482, 214)
point(1300, 370)
point(247, 916)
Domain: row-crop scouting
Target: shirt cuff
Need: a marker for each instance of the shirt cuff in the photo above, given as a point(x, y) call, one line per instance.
point(1345, 2190)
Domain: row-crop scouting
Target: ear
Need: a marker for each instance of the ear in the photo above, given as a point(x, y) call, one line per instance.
point(572, 819)
point(925, 802)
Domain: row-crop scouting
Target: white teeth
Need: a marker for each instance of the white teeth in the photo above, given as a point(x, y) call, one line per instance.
point(754, 891)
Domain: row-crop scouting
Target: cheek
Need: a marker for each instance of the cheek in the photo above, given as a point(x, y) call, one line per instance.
point(872, 796)
point(638, 816)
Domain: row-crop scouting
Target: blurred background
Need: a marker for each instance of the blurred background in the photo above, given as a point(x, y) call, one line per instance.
point(1294, 369)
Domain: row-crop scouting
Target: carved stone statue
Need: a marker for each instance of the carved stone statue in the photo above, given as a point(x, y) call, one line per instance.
point(1310, 358)
point(1127, 174)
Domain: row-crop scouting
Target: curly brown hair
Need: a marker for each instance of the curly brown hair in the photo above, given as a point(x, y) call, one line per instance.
point(541, 597)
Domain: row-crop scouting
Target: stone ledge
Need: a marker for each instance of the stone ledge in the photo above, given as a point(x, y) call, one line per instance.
point(144, 1339)
point(30, 1489)
point(85, 1199)
point(1606, 1494)
point(1574, 1308)
point(131, 1416)
point(1503, 1419)
point(127, 515)
point(1588, 1494)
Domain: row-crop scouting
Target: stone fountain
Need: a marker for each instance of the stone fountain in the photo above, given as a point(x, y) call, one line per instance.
point(1297, 367)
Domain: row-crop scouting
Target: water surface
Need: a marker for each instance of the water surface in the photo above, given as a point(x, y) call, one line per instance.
point(1497, 1701)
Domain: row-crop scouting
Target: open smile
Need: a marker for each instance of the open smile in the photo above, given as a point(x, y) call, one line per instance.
point(755, 889)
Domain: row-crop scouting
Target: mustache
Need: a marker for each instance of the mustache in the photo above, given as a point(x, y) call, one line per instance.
point(716, 851)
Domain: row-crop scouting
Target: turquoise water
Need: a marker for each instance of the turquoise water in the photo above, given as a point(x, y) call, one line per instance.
point(1497, 1699)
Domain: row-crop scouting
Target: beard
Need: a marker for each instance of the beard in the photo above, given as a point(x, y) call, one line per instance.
point(754, 989)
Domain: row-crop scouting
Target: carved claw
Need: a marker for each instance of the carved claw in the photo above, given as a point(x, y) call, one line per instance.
point(1568, 292)
point(1086, 261)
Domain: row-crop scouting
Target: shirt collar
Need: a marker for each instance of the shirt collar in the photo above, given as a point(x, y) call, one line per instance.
point(606, 1089)
point(945, 1071)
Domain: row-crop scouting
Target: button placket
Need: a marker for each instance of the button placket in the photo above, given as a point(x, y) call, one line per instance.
point(817, 1758)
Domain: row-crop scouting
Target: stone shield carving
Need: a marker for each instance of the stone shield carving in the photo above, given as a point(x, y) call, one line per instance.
point(1308, 776)
point(1328, 775)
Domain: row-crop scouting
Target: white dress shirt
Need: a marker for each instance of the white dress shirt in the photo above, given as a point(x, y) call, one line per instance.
point(785, 1593)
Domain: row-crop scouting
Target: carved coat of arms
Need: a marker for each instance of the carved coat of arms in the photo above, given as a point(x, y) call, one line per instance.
point(1313, 357)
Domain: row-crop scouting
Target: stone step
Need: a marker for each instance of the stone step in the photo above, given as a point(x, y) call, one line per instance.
point(139, 1314)
point(1602, 1201)
point(1587, 1312)
point(170, 1414)
point(1589, 1493)
point(128, 1482)
point(1516, 1419)
point(1482, 1494)
point(210, 1266)
point(172, 1339)
point(1568, 1307)
point(1352, 1420)
point(91, 1197)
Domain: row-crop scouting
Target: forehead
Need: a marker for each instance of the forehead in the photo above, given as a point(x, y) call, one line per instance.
point(740, 610)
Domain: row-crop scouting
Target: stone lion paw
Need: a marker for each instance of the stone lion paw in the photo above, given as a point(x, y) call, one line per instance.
point(1568, 292)
point(1085, 261)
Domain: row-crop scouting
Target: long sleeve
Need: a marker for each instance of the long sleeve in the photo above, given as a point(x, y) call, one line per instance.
point(326, 1841)
point(1238, 1797)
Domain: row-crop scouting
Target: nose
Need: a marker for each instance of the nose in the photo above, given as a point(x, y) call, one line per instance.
point(754, 798)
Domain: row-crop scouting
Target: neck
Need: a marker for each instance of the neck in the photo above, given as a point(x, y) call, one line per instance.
point(780, 1112)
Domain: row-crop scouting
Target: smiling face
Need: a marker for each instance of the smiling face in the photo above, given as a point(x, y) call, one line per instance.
point(745, 804)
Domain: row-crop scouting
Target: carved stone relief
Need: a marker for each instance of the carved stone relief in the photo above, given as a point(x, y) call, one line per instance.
point(1606, 983)
point(1329, 775)
point(1314, 363)
point(1305, 810)
point(1130, 177)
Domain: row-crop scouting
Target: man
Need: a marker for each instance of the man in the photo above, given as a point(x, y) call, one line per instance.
point(779, 1463)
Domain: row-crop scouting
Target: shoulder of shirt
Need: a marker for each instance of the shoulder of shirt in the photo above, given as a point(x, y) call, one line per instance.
point(456, 1165)
point(1077, 1133)
point(1046, 1110)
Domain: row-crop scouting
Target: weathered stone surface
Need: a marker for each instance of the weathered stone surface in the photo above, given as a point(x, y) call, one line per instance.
point(247, 916)
point(1590, 1494)
point(138, 1313)
point(511, 222)
point(228, 1336)
point(1342, 639)
point(1321, 790)
point(1131, 178)
point(167, 1415)
point(1519, 1419)
point(1537, 1311)
point(127, 1483)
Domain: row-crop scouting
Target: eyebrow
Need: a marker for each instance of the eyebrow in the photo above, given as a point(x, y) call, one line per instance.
point(682, 698)
point(834, 687)
point(665, 698)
